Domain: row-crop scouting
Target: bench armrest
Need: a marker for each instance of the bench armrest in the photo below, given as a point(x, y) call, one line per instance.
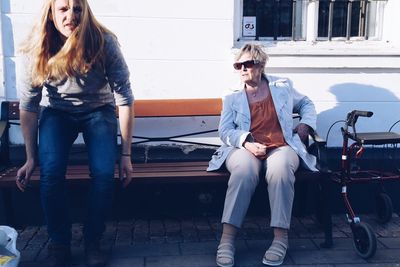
point(3, 126)
point(318, 139)
point(319, 150)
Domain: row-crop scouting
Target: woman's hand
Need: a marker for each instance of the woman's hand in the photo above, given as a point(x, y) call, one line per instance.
point(303, 130)
point(24, 174)
point(257, 149)
point(125, 170)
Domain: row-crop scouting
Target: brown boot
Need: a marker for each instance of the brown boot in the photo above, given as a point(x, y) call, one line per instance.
point(94, 256)
point(59, 255)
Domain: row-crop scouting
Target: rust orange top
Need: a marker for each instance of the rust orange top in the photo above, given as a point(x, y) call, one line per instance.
point(265, 126)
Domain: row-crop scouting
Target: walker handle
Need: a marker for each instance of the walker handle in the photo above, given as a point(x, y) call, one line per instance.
point(353, 116)
point(362, 113)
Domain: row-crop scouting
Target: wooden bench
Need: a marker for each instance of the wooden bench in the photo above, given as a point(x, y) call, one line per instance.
point(181, 171)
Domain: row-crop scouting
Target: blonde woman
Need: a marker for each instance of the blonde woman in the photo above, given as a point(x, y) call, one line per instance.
point(75, 76)
point(256, 128)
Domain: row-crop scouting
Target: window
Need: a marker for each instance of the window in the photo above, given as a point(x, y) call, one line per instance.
point(335, 19)
point(275, 19)
point(347, 19)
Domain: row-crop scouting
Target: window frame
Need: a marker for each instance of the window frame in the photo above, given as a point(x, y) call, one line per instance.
point(310, 18)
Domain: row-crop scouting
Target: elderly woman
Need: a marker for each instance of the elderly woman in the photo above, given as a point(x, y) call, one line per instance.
point(256, 128)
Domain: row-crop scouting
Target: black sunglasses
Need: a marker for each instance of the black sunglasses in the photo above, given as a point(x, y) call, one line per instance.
point(248, 64)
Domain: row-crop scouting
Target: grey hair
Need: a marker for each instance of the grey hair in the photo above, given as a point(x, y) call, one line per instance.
point(256, 52)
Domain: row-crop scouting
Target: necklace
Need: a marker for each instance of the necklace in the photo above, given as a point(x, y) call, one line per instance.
point(255, 92)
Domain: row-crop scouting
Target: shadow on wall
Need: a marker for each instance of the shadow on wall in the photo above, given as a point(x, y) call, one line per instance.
point(5, 6)
point(350, 96)
point(386, 108)
point(8, 52)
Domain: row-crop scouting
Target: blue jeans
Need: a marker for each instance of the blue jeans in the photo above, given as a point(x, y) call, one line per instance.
point(57, 132)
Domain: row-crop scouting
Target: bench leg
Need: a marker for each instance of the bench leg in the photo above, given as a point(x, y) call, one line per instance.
point(324, 212)
point(300, 202)
point(8, 207)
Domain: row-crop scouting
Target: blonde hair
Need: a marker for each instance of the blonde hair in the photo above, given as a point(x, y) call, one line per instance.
point(255, 51)
point(52, 58)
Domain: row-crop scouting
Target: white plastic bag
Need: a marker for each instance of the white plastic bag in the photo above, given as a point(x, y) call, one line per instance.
point(9, 255)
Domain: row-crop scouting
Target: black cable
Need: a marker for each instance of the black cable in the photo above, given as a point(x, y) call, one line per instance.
point(333, 124)
point(394, 124)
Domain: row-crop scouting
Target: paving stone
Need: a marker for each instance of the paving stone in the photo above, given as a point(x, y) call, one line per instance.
point(209, 247)
point(386, 256)
point(298, 229)
point(156, 228)
point(25, 235)
point(145, 250)
point(189, 232)
point(260, 246)
point(124, 236)
point(190, 236)
point(77, 236)
point(43, 253)
point(173, 231)
point(199, 248)
point(157, 232)
point(206, 235)
point(193, 242)
point(251, 234)
point(170, 238)
point(344, 243)
point(254, 257)
point(251, 223)
point(157, 239)
point(182, 261)
point(387, 230)
point(125, 223)
point(172, 226)
point(301, 244)
point(29, 254)
point(338, 243)
point(325, 257)
point(39, 238)
point(202, 224)
point(215, 224)
point(130, 262)
point(141, 231)
point(308, 221)
point(337, 233)
point(369, 265)
point(390, 242)
point(124, 233)
point(31, 264)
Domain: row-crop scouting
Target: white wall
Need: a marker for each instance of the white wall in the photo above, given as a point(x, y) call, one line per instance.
point(2, 87)
point(184, 49)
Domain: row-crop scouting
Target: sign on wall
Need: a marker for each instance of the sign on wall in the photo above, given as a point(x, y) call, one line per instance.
point(249, 26)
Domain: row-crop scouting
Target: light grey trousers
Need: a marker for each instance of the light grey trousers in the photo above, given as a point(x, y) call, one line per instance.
point(245, 169)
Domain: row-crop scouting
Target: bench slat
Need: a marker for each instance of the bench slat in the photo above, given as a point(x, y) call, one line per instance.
point(147, 172)
point(178, 107)
point(173, 172)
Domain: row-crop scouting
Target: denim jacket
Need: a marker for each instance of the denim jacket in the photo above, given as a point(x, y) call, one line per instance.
point(234, 126)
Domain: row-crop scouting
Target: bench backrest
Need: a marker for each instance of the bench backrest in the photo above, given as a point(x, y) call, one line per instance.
point(143, 109)
point(147, 108)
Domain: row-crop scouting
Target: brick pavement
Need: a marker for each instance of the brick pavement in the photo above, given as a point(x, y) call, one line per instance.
point(193, 241)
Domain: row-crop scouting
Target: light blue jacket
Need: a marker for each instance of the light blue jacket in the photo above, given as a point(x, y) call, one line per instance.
point(235, 121)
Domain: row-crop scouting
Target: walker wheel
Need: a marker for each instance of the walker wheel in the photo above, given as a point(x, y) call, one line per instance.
point(364, 240)
point(384, 208)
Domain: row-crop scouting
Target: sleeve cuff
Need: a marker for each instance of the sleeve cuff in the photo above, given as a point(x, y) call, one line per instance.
point(245, 137)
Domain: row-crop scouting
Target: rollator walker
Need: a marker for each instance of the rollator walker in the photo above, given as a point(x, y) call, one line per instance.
point(354, 145)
